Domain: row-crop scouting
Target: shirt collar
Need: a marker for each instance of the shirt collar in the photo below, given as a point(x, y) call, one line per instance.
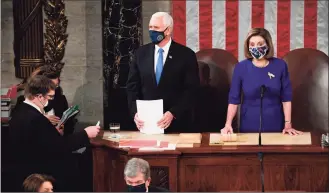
point(29, 102)
point(165, 48)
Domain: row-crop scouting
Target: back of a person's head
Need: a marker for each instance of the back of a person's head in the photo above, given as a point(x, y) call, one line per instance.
point(35, 183)
point(47, 70)
point(38, 85)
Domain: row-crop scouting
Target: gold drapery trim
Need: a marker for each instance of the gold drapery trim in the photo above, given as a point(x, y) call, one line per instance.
point(55, 35)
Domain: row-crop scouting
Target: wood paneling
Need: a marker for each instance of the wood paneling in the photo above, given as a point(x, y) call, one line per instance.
point(217, 168)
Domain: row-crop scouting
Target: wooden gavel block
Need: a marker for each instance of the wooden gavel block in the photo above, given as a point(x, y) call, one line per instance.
point(228, 137)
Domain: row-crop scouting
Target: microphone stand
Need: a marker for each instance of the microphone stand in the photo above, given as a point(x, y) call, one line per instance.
point(260, 154)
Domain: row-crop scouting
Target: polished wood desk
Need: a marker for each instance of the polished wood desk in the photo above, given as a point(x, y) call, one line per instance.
point(218, 168)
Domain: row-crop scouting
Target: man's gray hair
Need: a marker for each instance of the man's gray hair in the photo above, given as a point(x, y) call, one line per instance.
point(167, 19)
point(136, 165)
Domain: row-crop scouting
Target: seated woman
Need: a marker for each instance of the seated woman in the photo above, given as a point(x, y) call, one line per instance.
point(55, 108)
point(260, 68)
point(38, 183)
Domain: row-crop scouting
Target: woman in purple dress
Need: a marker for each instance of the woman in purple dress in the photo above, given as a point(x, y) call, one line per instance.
point(260, 69)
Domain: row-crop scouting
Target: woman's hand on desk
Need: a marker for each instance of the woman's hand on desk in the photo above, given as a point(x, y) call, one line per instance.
point(53, 119)
point(92, 131)
point(227, 130)
point(291, 131)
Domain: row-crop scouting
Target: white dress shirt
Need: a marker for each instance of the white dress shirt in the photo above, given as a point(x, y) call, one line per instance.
point(164, 53)
point(27, 101)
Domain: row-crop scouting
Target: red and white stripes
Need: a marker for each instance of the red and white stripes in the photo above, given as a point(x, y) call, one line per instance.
point(202, 24)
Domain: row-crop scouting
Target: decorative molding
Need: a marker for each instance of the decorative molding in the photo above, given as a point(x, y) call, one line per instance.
point(28, 36)
point(55, 35)
point(160, 176)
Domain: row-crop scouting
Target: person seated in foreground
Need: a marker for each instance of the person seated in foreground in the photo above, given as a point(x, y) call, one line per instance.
point(38, 183)
point(138, 177)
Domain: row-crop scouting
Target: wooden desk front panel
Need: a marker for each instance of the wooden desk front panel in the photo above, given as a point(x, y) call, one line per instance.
point(216, 173)
point(234, 172)
point(302, 172)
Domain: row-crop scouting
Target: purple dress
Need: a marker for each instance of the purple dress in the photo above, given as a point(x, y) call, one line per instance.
point(247, 80)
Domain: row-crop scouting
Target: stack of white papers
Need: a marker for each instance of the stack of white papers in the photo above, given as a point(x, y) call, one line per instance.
point(171, 146)
point(150, 112)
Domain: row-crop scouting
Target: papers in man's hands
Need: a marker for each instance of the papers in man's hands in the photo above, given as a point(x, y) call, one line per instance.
point(73, 110)
point(150, 112)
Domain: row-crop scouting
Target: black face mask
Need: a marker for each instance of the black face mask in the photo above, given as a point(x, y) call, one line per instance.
point(138, 188)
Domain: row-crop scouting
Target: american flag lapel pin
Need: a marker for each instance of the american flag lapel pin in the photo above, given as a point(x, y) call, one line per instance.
point(270, 75)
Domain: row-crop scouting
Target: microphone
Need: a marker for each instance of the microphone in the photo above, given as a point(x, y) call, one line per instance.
point(260, 154)
point(262, 91)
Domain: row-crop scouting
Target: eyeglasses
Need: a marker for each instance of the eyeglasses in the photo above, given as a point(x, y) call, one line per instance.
point(51, 97)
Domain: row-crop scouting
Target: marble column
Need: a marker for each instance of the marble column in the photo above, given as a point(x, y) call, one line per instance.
point(122, 35)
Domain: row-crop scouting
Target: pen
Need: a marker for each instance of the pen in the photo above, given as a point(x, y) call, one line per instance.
point(97, 124)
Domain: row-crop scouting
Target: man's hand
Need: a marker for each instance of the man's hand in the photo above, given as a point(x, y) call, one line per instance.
point(60, 130)
point(139, 123)
point(92, 131)
point(166, 120)
point(53, 119)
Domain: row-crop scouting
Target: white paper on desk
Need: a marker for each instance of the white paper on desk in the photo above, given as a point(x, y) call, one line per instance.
point(150, 111)
point(171, 146)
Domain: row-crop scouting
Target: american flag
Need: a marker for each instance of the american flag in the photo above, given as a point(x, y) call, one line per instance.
point(202, 24)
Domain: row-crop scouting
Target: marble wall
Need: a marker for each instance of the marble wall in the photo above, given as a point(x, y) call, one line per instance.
point(122, 35)
point(82, 77)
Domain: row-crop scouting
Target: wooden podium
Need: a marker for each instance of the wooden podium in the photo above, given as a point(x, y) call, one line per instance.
point(209, 168)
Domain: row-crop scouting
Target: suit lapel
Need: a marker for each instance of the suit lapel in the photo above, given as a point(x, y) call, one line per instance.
point(150, 64)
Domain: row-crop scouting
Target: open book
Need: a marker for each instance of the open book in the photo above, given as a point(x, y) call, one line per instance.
point(70, 112)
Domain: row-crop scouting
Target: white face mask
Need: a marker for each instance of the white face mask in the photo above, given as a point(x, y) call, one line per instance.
point(44, 105)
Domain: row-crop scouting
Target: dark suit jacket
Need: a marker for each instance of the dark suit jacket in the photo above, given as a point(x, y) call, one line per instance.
point(59, 104)
point(178, 84)
point(37, 147)
point(157, 189)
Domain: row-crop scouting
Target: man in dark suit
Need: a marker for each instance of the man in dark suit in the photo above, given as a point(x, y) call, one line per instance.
point(137, 175)
point(56, 107)
point(164, 70)
point(36, 145)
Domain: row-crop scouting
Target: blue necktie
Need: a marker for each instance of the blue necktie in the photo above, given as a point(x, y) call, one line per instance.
point(159, 66)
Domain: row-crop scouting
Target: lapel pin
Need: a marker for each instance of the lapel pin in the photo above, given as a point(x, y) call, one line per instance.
point(170, 56)
point(270, 75)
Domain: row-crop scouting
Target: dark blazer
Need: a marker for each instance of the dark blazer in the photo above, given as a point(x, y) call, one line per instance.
point(157, 189)
point(178, 84)
point(37, 147)
point(59, 104)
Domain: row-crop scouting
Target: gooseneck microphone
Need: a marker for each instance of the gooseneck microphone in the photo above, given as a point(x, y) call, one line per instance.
point(262, 91)
point(260, 154)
